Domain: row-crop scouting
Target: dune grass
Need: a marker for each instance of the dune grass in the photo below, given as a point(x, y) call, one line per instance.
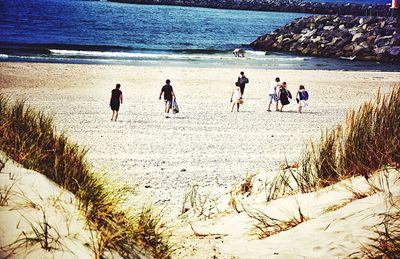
point(386, 243)
point(267, 226)
point(367, 141)
point(30, 138)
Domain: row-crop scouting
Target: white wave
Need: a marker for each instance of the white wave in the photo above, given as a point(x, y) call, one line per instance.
point(255, 52)
point(252, 55)
point(3, 56)
point(134, 55)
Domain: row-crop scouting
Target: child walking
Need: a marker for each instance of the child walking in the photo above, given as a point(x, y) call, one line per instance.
point(302, 97)
point(284, 95)
point(236, 97)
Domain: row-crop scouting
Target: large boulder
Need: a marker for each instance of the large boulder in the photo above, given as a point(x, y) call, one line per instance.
point(394, 52)
point(395, 41)
point(357, 36)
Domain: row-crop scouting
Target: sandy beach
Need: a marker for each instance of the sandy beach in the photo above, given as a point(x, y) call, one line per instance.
point(205, 143)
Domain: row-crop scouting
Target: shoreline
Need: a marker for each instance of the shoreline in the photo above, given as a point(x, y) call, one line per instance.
point(313, 63)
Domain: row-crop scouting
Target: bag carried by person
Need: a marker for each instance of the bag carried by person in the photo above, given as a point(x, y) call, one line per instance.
point(175, 108)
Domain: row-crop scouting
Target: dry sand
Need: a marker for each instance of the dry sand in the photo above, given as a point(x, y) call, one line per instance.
point(205, 143)
point(32, 202)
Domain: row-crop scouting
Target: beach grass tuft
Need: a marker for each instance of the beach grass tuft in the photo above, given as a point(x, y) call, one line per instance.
point(367, 141)
point(386, 242)
point(203, 205)
point(5, 194)
point(247, 185)
point(30, 138)
point(267, 226)
point(42, 234)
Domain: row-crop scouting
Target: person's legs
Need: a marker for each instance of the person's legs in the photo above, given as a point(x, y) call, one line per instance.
point(166, 105)
point(300, 108)
point(112, 117)
point(233, 106)
point(271, 99)
point(276, 108)
point(237, 107)
point(116, 115)
point(281, 108)
point(242, 89)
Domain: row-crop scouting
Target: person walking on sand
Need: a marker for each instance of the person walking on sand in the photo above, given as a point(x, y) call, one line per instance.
point(236, 97)
point(115, 101)
point(168, 96)
point(283, 95)
point(302, 97)
point(272, 96)
point(242, 80)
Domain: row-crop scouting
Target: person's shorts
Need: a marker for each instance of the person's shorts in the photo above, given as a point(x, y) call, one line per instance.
point(303, 103)
point(114, 106)
point(168, 103)
point(273, 97)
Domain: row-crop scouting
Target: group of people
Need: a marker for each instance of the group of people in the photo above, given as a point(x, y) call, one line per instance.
point(278, 92)
point(238, 91)
point(169, 100)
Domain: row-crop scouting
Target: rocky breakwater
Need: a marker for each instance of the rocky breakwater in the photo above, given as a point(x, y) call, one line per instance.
point(349, 37)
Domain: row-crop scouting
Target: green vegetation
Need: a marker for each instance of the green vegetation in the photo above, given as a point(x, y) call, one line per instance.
point(368, 140)
point(29, 137)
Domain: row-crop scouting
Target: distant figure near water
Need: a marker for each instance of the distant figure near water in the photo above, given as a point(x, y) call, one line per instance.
point(115, 101)
point(168, 95)
point(239, 53)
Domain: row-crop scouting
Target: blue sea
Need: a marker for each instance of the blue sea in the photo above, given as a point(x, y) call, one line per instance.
point(79, 31)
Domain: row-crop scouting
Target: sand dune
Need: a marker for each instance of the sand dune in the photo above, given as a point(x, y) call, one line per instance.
point(205, 144)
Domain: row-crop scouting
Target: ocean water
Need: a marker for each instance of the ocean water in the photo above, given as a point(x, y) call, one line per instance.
point(78, 31)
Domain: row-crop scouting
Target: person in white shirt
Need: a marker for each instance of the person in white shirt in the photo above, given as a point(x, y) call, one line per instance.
point(272, 96)
point(236, 97)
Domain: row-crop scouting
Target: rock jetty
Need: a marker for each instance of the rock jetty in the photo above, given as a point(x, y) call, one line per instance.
point(275, 5)
point(348, 37)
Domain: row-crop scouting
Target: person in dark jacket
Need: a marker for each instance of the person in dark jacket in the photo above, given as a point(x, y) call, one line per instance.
point(115, 101)
point(243, 80)
point(284, 95)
